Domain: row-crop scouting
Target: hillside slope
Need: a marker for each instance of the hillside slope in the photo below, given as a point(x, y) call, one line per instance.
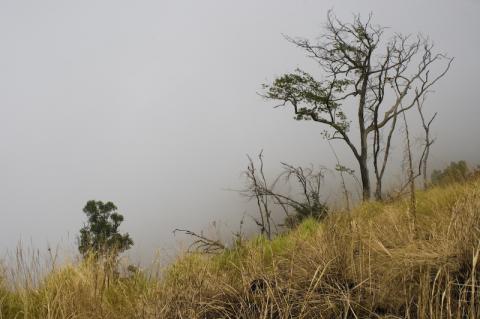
point(370, 262)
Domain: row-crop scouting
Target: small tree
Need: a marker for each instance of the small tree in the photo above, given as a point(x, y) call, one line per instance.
point(379, 79)
point(101, 236)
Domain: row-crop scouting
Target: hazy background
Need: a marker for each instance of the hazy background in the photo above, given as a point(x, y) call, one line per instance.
point(153, 105)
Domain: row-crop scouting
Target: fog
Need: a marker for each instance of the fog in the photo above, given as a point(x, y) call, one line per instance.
point(154, 104)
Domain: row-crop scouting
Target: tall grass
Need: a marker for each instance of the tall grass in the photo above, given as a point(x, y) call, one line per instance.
point(367, 263)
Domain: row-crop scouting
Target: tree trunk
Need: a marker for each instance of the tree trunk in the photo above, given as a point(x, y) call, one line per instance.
point(363, 132)
point(365, 177)
point(362, 159)
point(378, 190)
point(425, 162)
point(411, 177)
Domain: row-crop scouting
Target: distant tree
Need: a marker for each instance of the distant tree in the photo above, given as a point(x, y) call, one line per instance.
point(101, 236)
point(456, 172)
point(383, 79)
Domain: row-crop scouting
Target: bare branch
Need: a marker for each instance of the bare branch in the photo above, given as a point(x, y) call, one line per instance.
point(202, 243)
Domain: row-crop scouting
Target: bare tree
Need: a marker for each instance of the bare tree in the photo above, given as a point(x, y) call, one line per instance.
point(424, 155)
point(383, 78)
point(258, 189)
point(268, 198)
point(428, 140)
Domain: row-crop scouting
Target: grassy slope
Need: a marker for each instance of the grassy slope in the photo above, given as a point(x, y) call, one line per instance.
point(365, 263)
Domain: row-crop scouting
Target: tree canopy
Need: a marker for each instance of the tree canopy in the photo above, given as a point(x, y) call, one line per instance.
point(101, 236)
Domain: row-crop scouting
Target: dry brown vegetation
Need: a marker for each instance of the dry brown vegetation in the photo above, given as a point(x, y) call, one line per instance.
point(367, 263)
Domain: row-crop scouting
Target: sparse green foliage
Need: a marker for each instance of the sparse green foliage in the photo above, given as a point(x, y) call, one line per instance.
point(301, 88)
point(456, 172)
point(101, 235)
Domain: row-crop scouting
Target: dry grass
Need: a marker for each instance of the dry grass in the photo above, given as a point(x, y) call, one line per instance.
point(367, 263)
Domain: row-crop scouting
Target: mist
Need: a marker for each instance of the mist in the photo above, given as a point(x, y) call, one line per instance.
point(153, 105)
